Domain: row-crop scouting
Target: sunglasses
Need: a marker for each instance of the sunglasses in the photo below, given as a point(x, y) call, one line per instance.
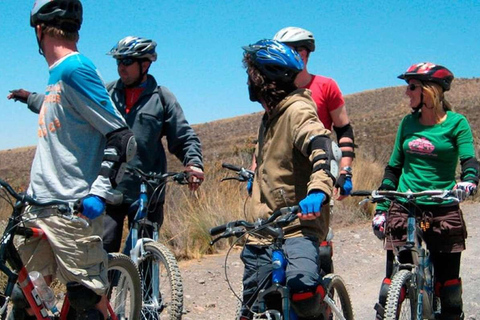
point(126, 61)
point(412, 86)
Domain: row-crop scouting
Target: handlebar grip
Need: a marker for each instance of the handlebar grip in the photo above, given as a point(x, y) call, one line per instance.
point(231, 167)
point(361, 193)
point(218, 229)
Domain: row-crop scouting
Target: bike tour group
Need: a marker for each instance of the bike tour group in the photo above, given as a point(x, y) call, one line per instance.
point(88, 132)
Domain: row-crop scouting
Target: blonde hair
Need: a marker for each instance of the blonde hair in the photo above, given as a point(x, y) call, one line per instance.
point(60, 34)
point(437, 96)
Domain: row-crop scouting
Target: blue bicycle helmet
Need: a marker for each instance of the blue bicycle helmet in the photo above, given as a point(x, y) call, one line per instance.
point(275, 60)
point(64, 14)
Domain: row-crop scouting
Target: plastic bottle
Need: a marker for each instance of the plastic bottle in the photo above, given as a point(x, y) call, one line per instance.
point(44, 291)
point(278, 264)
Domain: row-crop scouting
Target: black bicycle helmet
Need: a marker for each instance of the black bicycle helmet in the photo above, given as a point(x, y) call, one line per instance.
point(64, 14)
point(430, 72)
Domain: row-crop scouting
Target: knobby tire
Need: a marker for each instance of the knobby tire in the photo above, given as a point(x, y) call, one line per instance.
point(337, 291)
point(402, 305)
point(124, 293)
point(169, 306)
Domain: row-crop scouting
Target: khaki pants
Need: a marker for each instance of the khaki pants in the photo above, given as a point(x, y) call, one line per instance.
point(70, 252)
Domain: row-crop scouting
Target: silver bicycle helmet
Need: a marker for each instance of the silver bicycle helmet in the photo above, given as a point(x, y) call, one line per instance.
point(134, 47)
point(296, 37)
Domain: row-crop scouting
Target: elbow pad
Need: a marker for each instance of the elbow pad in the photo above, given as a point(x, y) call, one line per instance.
point(120, 148)
point(392, 174)
point(346, 132)
point(470, 169)
point(328, 161)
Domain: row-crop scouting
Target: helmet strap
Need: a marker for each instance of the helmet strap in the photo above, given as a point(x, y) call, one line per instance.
point(421, 104)
point(39, 41)
point(140, 77)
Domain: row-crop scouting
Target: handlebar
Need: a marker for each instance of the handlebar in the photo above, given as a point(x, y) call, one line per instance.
point(280, 218)
point(179, 177)
point(242, 173)
point(64, 208)
point(456, 195)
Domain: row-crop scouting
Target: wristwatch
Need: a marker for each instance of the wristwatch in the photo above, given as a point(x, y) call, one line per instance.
point(347, 169)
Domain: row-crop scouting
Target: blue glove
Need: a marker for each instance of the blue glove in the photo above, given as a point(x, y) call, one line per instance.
point(249, 186)
point(344, 182)
point(313, 202)
point(92, 206)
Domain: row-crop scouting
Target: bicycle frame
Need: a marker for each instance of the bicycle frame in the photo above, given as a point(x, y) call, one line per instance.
point(134, 246)
point(421, 262)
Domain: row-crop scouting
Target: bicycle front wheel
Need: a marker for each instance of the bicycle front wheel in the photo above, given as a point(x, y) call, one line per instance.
point(162, 287)
point(401, 297)
point(337, 293)
point(124, 293)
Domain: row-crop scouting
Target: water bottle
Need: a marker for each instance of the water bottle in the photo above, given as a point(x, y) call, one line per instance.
point(278, 263)
point(44, 291)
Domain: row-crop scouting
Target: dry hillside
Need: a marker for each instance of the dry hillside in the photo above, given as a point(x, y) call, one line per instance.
point(374, 114)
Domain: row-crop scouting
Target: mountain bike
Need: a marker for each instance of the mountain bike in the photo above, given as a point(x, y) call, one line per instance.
point(336, 302)
point(411, 294)
point(162, 287)
point(124, 290)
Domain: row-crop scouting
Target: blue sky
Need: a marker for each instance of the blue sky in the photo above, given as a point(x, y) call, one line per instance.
point(363, 45)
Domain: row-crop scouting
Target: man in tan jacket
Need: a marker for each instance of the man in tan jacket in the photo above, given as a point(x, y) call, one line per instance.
point(295, 166)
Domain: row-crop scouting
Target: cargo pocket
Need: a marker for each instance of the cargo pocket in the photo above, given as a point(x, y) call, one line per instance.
point(90, 254)
point(397, 227)
point(451, 226)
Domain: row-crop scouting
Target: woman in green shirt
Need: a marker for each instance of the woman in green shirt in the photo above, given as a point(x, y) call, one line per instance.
point(430, 141)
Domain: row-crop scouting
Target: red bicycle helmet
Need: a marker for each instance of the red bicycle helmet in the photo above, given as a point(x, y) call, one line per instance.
point(427, 71)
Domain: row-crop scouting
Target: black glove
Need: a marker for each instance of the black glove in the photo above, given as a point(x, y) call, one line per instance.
point(19, 95)
point(344, 182)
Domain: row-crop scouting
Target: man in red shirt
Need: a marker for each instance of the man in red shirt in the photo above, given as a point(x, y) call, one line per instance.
point(330, 104)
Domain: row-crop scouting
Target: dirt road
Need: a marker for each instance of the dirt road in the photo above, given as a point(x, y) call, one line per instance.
point(359, 259)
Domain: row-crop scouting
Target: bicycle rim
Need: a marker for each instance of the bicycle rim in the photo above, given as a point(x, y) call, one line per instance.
point(401, 297)
point(124, 293)
point(337, 292)
point(162, 288)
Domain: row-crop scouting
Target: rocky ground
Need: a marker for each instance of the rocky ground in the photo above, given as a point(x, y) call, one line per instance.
point(358, 258)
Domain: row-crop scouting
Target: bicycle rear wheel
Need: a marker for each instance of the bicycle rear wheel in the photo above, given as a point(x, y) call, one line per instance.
point(337, 292)
point(162, 287)
point(124, 293)
point(402, 297)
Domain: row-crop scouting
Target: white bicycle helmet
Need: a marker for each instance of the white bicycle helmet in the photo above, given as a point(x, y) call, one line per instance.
point(296, 37)
point(134, 47)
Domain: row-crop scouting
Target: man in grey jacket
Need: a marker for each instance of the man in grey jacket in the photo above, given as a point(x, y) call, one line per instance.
point(152, 112)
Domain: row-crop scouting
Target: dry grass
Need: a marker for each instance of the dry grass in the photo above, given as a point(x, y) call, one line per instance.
point(374, 114)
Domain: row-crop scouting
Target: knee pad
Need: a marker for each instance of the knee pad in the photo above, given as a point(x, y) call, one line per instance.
point(308, 304)
point(451, 299)
point(81, 298)
point(18, 298)
point(382, 298)
point(20, 314)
